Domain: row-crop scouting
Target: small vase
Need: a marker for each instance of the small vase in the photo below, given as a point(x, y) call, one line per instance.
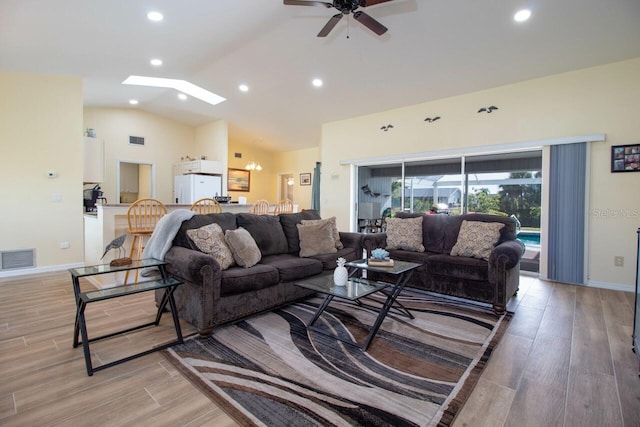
point(340, 274)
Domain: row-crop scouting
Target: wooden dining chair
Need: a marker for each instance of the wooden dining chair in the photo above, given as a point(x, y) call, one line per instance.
point(284, 206)
point(206, 205)
point(261, 207)
point(142, 217)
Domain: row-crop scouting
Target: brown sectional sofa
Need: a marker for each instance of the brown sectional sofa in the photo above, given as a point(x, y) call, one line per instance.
point(211, 296)
point(492, 281)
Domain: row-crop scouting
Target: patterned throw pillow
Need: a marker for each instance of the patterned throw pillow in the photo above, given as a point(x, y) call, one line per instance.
point(477, 239)
point(244, 249)
point(405, 233)
point(316, 239)
point(334, 228)
point(210, 240)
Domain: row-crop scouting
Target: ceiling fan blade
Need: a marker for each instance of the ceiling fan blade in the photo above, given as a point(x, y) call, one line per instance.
point(365, 3)
point(307, 3)
point(329, 25)
point(370, 23)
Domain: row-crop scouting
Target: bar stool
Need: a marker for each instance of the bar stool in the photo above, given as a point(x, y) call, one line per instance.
point(284, 206)
point(142, 216)
point(261, 207)
point(206, 205)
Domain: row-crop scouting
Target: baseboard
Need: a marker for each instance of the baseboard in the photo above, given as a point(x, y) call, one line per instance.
point(611, 286)
point(39, 270)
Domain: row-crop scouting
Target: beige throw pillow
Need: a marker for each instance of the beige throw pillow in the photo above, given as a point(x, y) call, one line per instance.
point(210, 240)
point(316, 239)
point(477, 239)
point(244, 249)
point(405, 233)
point(334, 228)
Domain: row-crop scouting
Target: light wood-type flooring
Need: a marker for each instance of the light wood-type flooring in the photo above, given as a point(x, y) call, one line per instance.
point(566, 360)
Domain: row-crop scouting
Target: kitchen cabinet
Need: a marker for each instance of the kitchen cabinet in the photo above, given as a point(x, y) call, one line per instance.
point(93, 155)
point(211, 167)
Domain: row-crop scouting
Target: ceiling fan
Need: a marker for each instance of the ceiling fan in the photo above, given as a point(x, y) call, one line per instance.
point(345, 7)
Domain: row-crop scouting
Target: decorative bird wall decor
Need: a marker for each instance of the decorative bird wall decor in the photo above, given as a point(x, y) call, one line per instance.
point(432, 119)
point(386, 128)
point(117, 243)
point(487, 110)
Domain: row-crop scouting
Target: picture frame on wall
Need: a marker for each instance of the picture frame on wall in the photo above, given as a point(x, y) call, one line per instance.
point(625, 158)
point(238, 180)
point(305, 179)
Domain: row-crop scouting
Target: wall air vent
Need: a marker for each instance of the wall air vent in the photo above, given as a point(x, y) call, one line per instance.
point(13, 260)
point(136, 140)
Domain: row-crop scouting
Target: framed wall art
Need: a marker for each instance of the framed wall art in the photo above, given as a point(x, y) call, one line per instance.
point(305, 179)
point(238, 180)
point(625, 158)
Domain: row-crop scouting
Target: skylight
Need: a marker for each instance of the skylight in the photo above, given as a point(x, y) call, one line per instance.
point(179, 85)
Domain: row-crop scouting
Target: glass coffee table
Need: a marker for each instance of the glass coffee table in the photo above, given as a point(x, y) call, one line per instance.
point(358, 288)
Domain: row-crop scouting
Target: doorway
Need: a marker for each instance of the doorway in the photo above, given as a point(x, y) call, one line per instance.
point(285, 187)
point(135, 180)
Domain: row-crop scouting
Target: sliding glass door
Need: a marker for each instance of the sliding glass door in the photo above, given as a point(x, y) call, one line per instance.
point(503, 184)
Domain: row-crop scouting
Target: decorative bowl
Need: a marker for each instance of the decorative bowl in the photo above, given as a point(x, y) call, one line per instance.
point(379, 254)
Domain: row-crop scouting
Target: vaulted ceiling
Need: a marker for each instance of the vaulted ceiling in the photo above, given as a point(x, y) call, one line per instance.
point(433, 49)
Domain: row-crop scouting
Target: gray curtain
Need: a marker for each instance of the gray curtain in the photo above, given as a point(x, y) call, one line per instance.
point(567, 183)
point(315, 189)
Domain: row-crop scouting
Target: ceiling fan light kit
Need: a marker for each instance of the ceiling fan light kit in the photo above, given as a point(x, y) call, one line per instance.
point(345, 7)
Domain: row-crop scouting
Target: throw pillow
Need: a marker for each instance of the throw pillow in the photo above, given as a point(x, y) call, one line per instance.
point(316, 239)
point(477, 239)
point(334, 228)
point(243, 247)
point(210, 240)
point(405, 233)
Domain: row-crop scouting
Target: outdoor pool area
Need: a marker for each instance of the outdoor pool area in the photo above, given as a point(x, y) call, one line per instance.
point(529, 238)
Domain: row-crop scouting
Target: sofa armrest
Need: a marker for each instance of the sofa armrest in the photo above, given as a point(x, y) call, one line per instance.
point(508, 253)
point(373, 241)
point(195, 267)
point(351, 239)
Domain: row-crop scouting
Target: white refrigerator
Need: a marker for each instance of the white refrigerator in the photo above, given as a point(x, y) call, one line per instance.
point(189, 188)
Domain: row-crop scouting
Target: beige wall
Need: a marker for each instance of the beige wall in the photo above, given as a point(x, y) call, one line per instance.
point(165, 142)
point(603, 99)
point(295, 163)
point(262, 184)
point(211, 140)
point(41, 131)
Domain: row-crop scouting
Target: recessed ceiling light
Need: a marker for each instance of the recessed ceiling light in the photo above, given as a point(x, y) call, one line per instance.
point(522, 15)
point(182, 96)
point(179, 85)
point(133, 101)
point(317, 82)
point(156, 62)
point(155, 16)
point(243, 88)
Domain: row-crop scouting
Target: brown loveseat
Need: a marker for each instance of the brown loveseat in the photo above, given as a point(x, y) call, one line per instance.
point(211, 296)
point(494, 280)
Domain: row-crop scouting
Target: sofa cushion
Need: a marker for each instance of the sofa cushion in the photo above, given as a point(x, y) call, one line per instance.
point(266, 231)
point(405, 233)
point(433, 229)
point(477, 239)
point(334, 228)
point(226, 221)
point(291, 267)
point(316, 239)
point(238, 280)
point(210, 240)
point(289, 222)
point(329, 260)
point(244, 248)
point(508, 232)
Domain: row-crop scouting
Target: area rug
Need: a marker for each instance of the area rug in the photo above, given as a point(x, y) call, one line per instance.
point(269, 370)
